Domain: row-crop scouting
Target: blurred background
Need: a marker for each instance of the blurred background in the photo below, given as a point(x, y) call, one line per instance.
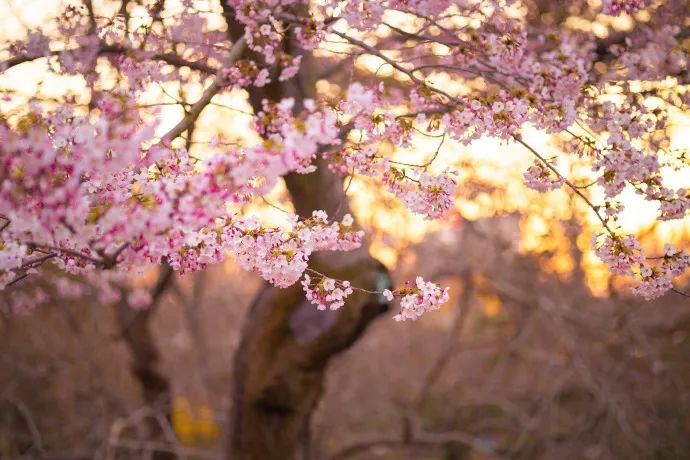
point(540, 353)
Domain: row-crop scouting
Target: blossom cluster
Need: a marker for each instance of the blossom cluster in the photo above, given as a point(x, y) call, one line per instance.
point(431, 196)
point(621, 253)
point(624, 256)
point(281, 256)
point(85, 193)
point(657, 279)
point(326, 292)
point(616, 7)
point(418, 298)
point(540, 178)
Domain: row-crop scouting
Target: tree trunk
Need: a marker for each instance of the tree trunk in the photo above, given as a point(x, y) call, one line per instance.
point(287, 344)
point(278, 380)
point(135, 330)
point(137, 335)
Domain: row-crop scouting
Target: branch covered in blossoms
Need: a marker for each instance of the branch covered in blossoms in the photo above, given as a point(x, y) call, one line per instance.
point(415, 298)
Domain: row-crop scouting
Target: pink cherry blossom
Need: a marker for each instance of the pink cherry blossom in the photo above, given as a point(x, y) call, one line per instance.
point(418, 298)
point(326, 292)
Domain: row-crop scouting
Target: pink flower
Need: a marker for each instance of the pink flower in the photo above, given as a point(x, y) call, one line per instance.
point(419, 298)
point(326, 292)
point(358, 99)
point(541, 178)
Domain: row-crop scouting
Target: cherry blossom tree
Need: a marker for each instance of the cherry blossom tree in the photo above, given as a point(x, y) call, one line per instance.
point(101, 184)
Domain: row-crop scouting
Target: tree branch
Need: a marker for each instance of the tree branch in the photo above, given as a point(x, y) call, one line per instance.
point(213, 89)
point(169, 58)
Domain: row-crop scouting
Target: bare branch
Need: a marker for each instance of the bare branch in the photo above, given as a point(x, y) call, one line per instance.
point(213, 89)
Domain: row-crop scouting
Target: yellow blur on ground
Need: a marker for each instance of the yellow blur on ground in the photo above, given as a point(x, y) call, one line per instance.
point(194, 423)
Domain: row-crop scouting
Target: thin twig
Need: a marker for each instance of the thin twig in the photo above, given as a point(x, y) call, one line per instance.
point(213, 89)
point(566, 181)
